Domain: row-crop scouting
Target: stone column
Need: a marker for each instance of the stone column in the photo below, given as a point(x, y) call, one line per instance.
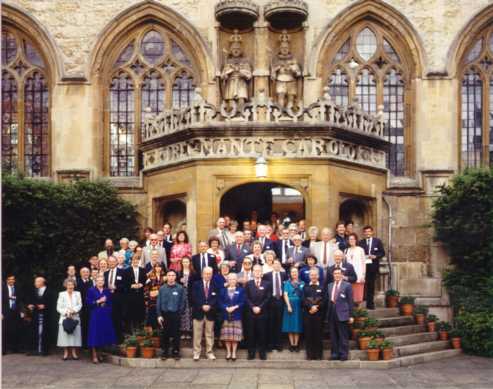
point(263, 54)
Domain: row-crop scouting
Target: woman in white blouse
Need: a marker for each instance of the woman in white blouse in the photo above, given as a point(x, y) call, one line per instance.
point(215, 249)
point(355, 255)
point(69, 304)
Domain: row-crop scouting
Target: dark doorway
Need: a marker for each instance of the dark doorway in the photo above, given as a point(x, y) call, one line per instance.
point(264, 198)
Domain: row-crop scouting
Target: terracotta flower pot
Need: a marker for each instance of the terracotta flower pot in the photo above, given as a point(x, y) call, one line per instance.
point(431, 325)
point(443, 335)
point(363, 342)
point(387, 353)
point(147, 352)
point(131, 352)
point(455, 342)
point(379, 340)
point(407, 309)
point(392, 301)
point(420, 318)
point(354, 333)
point(156, 341)
point(373, 354)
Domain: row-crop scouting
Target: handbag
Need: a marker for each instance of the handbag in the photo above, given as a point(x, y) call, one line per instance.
point(69, 325)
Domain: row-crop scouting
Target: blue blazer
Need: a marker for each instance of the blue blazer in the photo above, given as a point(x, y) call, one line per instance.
point(225, 302)
point(344, 302)
point(305, 274)
point(198, 298)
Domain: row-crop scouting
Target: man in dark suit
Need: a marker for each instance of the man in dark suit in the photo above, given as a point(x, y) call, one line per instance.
point(11, 316)
point(135, 278)
point(204, 259)
point(258, 293)
point(276, 279)
point(265, 242)
point(235, 253)
point(340, 236)
point(114, 280)
point(313, 308)
point(348, 272)
point(374, 251)
point(83, 285)
point(282, 247)
point(340, 305)
point(203, 298)
point(168, 239)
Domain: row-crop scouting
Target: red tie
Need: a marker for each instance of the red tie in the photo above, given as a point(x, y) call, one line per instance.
point(206, 289)
point(336, 291)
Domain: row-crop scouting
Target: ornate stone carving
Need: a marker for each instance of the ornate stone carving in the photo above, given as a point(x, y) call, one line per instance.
point(236, 74)
point(286, 13)
point(236, 13)
point(285, 73)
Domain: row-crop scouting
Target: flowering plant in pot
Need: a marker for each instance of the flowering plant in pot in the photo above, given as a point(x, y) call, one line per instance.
point(140, 334)
point(371, 324)
point(407, 305)
point(131, 345)
point(364, 338)
point(443, 329)
point(420, 312)
point(431, 323)
point(387, 348)
point(455, 336)
point(147, 349)
point(373, 350)
point(360, 315)
point(379, 337)
point(392, 298)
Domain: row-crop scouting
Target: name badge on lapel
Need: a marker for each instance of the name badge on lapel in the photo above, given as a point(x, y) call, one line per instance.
point(375, 248)
point(319, 290)
point(237, 292)
point(213, 293)
point(343, 295)
point(261, 288)
point(175, 293)
point(118, 277)
point(245, 251)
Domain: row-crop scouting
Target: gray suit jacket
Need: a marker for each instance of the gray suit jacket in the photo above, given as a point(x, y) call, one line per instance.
point(298, 254)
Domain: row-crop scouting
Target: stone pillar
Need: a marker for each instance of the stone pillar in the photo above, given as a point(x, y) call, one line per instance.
point(263, 54)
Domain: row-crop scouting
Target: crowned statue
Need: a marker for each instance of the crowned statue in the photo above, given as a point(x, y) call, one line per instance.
point(285, 72)
point(236, 73)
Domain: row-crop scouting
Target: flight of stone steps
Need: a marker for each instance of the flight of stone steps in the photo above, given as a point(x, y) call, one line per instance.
point(412, 345)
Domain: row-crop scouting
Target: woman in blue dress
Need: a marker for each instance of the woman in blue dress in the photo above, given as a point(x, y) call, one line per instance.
point(101, 332)
point(292, 320)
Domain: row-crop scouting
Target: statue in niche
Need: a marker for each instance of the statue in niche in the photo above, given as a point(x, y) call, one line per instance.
point(285, 72)
point(236, 74)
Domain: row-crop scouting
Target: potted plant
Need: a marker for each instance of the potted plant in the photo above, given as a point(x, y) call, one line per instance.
point(431, 323)
point(387, 348)
point(156, 339)
point(360, 316)
point(373, 351)
point(364, 338)
point(443, 329)
point(147, 349)
point(420, 312)
point(392, 298)
point(140, 334)
point(371, 324)
point(131, 345)
point(455, 336)
point(379, 337)
point(407, 305)
point(148, 330)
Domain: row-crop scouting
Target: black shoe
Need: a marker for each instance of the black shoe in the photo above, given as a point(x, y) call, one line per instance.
point(291, 348)
point(164, 355)
point(297, 348)
point(176, 357)
point(263, 356)
point(251, 356)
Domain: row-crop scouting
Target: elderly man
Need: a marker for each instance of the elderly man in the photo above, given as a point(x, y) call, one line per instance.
point(155, 256)
point(348, 272)
point(83, 285)
point(265, 242)
point(221, 232)
point(114, 280)
point(236, 252)
point(108, 250)
point(313, 308)
point(246, 273)
point(297, 253)
point(41, 303)
point(276, 305)
point(324, 249)
point(146, 251)
point(204, 259)
point(204, 297)
point(282, 247)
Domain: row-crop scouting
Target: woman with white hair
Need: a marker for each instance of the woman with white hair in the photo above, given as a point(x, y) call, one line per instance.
point(68, 305)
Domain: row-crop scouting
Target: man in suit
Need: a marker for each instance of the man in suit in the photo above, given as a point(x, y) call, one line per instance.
point(348, 272)
point(276, 279)
point(313, 307)
point(297, 253)
point(265, 242)
point(256, 256)
point(324, 249)
point(83, 285)
point(282, 247)
point(114, 280)
point(374, 251)
point(167, 239)
point(235, 253)
point(302, 229)
point(11, 316)
point(340, 305)
point(258, 293)
point(109, 248)
point(135, 278)
point(341, 236)
point(154, 261)
point(204, 259)
point(221, 232)
point(204, 299)
point(147, 251)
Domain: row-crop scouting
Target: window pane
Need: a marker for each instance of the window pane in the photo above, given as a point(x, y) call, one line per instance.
point(338, 87)
point(366, 44)
point(36, 125)
point(472, 122)
point(122, 122)
point(10, 135)
point(9, 47)
point(152, 47)
point(125, 55)
point(32, 55)
point(366, 91)
point(393, 100)
point(389, 50)
point(179, 54)
point(475, 50)
point(152, 95)
point(183, 91)
point(342, 53)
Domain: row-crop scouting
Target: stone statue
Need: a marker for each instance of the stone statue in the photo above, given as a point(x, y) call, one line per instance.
point(236, 73)
point(285, 72)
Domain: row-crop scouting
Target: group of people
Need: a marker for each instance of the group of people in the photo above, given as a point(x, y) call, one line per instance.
point(243, 288)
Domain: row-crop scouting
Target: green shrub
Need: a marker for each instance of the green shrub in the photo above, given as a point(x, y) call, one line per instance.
point(431, 318)
point(407, 300)
point(386, 344)
point(392, 292)
point(477, 332)
point(444, 326)
point(48, 226)
point(372, 344)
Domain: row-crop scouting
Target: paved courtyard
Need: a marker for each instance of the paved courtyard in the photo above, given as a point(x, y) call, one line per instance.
point(20, 371)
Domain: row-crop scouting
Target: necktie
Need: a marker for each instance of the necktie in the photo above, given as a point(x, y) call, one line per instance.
point(112, 283)
point(335, 292)
point(206, 289)
point(278, 285)
point(285, 250)
point(325, 254)
point(225, 238)
point(368, 245)
point(258, 284)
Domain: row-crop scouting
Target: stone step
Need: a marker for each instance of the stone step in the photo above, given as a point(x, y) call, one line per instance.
point(419, 348)
point(383, 312)
point(393, 321)
point(408, 339)
point(403, 330)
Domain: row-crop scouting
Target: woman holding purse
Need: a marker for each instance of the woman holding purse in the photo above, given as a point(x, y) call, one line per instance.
point(68, 305)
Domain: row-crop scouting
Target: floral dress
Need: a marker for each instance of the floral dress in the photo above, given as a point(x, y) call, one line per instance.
point(178, 251)
point(186, 316)
point(151, 291)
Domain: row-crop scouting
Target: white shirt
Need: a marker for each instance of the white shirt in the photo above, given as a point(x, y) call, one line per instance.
point(11, 294)
point(136, 274)
point(112, 278)
point(41, 291)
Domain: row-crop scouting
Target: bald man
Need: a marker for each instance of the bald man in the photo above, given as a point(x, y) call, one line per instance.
point(41, 305)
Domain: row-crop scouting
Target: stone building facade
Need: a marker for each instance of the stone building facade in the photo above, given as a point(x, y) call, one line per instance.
point(362, 107)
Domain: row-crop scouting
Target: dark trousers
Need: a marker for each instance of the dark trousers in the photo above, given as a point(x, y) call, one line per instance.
point(339, 335)
point(370, 278)
point(84, 325)
point(256, 329)
point(218, 324)
point(117, 315)
point(171, 330)
point(313, 335)
point(12, 331)
point(40, 335)
point(276, 307)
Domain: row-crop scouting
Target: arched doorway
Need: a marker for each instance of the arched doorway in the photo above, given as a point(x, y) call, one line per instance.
point(263, 199)
point(356, 210)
